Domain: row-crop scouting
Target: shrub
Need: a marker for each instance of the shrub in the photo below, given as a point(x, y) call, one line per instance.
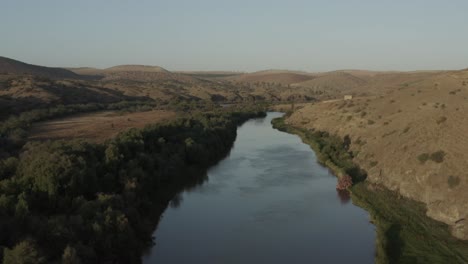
point(441, 120)
point(373, 163)
point(453, 181)
point(370, 122)
point(406, 129)
point(438, 156)
point(344, 183)
point(423, 157)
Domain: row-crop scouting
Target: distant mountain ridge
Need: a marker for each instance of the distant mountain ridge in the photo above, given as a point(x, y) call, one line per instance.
point(139, 68)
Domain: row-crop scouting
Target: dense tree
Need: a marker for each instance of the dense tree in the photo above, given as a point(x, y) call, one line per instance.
point(96, 203)
point(24, 252)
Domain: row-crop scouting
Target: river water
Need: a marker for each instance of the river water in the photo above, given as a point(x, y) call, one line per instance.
point(269, 201)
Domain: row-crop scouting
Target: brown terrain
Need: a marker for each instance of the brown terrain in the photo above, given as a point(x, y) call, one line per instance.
point(8, 66)
point(96, 127)
point(410, 136)
point(273, 76)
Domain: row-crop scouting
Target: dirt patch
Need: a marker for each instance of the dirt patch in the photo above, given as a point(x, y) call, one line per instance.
point(96, 127)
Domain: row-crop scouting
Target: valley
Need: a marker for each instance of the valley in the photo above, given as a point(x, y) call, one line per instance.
point(398, 135)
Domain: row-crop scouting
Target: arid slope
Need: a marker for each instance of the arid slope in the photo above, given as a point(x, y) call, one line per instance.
point(411, 138)
point(10, 66)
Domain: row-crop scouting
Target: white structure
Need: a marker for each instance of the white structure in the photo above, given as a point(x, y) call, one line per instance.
point(348, 97)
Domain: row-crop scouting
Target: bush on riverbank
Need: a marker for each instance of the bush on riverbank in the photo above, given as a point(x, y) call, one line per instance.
point(344, 183)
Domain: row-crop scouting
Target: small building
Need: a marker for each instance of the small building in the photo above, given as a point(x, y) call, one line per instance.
point(348, 97)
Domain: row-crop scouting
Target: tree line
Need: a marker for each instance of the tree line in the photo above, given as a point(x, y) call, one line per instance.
point(78, 202)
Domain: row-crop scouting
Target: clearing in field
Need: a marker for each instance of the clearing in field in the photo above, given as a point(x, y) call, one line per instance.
point(96, 127)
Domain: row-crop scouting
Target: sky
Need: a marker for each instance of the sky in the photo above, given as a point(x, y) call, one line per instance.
point(238, 35)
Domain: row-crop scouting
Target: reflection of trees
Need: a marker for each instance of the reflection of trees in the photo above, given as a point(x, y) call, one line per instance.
point(344, 196)
point(176, 201)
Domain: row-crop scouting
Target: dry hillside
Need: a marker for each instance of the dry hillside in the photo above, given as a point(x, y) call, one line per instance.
point(273, 76)
point(411, 138)
point(10, 66)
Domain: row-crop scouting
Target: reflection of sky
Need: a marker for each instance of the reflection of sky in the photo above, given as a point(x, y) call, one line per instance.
point(268, 202)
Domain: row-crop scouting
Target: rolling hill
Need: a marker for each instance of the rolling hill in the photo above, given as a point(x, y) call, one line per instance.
point(273, 76)
point(14, 67)
point(410, 138)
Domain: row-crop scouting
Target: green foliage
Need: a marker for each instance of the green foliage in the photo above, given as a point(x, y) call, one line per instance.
point(70, 256)
point(438, 156)
point(423, 157)
point(453, 181)
point(405, 234)
point(95, 203)
point(24, 252)
point(331, 150)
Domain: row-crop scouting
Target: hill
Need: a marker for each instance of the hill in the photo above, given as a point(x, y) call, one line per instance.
point(410, 138)
point(136, 68)
point(273, 76)
point(333, 81)
point(14, 67)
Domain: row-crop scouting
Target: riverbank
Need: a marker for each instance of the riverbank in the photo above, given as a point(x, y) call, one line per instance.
point(75, 201)
point(268, 201)
point(404, 233)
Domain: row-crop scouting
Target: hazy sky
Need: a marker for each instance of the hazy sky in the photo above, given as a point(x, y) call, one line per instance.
point(238, 34)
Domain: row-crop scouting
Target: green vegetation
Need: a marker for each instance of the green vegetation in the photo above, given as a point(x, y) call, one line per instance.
point(74, 201)
point(331, 150)
point(438, 156)
point(423, 157)
point(453, 181)
point(404, 233)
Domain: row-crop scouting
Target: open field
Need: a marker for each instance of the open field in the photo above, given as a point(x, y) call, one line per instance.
point(96, 127)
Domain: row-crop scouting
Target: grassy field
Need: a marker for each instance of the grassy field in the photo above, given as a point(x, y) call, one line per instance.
point(96, 127)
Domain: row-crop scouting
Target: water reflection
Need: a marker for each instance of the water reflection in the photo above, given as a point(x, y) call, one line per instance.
point(269, 201)
point(344, 196)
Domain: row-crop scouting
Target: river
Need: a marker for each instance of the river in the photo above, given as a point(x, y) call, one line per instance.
point(269, 201)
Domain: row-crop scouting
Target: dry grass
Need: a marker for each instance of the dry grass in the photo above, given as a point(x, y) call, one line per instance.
point(405, 124)
point(96, 127)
